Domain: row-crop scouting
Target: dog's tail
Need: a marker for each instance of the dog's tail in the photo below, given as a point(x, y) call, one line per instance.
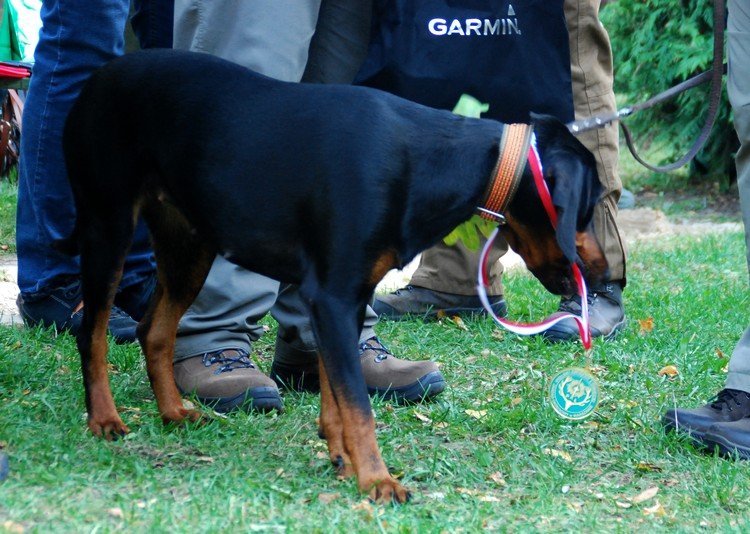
point(68, 245)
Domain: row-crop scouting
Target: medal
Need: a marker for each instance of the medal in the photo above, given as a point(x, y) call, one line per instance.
point(574, 393)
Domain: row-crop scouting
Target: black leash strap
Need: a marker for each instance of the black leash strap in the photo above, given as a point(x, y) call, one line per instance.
point(718, 68)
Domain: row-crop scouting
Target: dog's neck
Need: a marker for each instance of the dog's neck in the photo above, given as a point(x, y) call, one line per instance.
point(507, 173)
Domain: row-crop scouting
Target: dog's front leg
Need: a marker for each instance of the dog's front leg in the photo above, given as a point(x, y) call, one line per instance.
point(346, 416)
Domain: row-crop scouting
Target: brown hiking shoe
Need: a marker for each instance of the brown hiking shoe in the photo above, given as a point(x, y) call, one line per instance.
point(399, 380)
point(413, 301)
point(227, 380)
point(385, 375)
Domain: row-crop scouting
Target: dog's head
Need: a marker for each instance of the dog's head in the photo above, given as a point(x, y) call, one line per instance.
point(570, 173)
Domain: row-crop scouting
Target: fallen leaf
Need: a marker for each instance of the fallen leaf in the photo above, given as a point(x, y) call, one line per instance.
point(719, 353)
point(422, 417)
point(498, 334)
point(437, 495)
point(441, 424)
point(476, 414)
point(558, 454)
point(327, 498)
point(116, 512)
point(15, 528)
point(485, 353)
point(647, 325)
point(621, 504)
point(656, 509)
point(468, 491)
point(441, 315)
point(516, 401)
point(498, 478)
point(668, 370)
point(4, 247)
point(645, 495)
point(459, 323)
point(646, 466)
point(489, 498)
point(320, 455)
point(365, 507)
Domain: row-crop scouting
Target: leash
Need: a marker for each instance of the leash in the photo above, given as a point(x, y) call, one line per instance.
point(483, 273)
point(714, 74)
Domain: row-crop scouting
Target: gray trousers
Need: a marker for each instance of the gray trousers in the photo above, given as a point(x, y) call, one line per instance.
point(738, 87)
point(273, 37)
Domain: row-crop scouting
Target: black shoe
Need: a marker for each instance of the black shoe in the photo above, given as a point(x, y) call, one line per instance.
point(606, 314)
point(732, 439)
point(61, 308)
point(385, 375)
point(417, 301)
point(134, 299)
point(729, 405)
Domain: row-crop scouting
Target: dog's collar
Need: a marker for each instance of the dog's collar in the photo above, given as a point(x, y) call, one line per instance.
point(514, 147)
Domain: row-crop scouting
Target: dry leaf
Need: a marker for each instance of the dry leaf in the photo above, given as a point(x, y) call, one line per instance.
point(498, 479)
point(327, 498)
point(321, 455)
point(365, 507)
point(498, 334)
point(489, 498)
point(645, 495)
point(646, 466)
point(558, 454)
point(621, 504)
point(468, 491)
point(516, 401)
point(437, 495)
point(719, 353)
point(441, 315)
point(16, 528)
point(4, 247)
point(116, 512)
point(441, 424)
point(459, 323)
point(476, 414)
point(668, 370)
point(656, 509)
point(422, 417)
point(647, 325)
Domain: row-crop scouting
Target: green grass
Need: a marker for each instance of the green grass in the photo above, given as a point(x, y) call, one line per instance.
point(8, 191)
point(258, 472)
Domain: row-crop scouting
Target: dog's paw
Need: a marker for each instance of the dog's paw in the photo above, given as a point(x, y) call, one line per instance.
point(109, 428)
point(181, 415)
point(343, 467)
point(389, 491)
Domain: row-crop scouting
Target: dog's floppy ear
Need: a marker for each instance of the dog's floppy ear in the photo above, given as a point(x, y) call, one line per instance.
point(570, 169)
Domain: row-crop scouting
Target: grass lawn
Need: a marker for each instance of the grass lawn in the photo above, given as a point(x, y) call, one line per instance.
point(489, 454)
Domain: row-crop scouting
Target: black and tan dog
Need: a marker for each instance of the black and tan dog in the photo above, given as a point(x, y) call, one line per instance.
point(327, 187)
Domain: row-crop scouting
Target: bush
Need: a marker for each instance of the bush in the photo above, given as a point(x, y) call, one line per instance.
point(656, 45)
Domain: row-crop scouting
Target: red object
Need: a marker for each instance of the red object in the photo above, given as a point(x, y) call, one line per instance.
point(7, 71)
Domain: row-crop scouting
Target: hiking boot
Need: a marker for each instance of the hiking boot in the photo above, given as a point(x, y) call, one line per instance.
point(427, 303)
point(62, 309)
point(732, 439)
point(134, 299)
point(729, 405)
point(606, 314)
point(385, 375)
point(227, 380)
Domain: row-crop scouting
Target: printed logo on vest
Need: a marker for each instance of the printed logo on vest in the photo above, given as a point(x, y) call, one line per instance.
point(482, 27)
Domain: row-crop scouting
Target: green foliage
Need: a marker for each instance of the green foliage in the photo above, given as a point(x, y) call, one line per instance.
point(657, 45)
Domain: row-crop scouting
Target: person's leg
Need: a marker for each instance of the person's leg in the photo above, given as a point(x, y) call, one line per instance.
point(592, 76)
point(214, 336)
point(153, 23)
point(75, 39)
point(708, 424)
point(446, 281)
point(336, 52)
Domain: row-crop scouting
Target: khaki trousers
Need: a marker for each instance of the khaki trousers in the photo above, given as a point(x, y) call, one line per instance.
point(452, 269)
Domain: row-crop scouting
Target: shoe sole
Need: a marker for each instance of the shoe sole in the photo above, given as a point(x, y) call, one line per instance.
point(427, 387)
point(260, 399)
point(726, 447)
point(432, 314)
point(554, 336)
point(695, 436)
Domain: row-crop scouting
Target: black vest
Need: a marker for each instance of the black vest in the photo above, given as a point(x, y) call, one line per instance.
point(513, 55)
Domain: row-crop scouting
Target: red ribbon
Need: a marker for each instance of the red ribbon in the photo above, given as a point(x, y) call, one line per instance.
point(528, 329)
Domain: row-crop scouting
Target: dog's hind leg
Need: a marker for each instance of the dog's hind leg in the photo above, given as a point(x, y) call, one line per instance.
point(346, 414)
point(183, 260)
point(104, 242)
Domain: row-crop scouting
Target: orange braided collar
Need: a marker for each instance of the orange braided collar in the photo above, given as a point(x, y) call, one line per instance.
point(514, 146)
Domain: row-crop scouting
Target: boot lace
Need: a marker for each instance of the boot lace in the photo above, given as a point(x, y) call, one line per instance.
point(374, 344)
point(573, 304)
point(228, 363)
point(730, 398)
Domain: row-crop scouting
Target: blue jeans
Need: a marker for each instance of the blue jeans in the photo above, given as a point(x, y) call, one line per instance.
point(76, 38)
